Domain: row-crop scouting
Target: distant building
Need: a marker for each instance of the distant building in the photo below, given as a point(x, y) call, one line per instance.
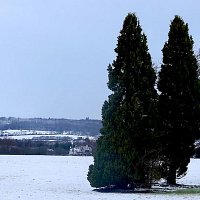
point(80, 151)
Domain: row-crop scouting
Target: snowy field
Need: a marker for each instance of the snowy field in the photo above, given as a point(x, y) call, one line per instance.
point(64, 178)
point(30, 137)
point(30, 134)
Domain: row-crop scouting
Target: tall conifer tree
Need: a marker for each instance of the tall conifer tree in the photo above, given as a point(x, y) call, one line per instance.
point(179, 100)
point(124, 150)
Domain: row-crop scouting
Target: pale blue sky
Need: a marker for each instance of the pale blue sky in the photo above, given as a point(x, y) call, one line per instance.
point(54, 53)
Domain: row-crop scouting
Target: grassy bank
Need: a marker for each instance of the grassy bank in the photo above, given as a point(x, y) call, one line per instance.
point(187, 191)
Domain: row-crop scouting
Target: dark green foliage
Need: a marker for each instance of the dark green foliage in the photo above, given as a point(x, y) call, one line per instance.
point(126, 147)
point(109, 168)
point(31, 147)
point(179, 100)
point(197, 152)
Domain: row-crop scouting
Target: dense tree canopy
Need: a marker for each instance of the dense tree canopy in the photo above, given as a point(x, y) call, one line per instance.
point(179, 100)
point(126, 148)
point(143, 135)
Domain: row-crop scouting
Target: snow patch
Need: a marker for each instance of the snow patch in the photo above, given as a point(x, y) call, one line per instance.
point(59, 178)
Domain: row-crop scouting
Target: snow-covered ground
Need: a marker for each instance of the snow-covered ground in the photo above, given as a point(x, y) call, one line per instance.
point(21, 137)
point(30, 134)
point(64, 178)
point(27, 132)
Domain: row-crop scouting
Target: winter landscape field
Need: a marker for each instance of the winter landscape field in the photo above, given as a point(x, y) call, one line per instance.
point(64, 177)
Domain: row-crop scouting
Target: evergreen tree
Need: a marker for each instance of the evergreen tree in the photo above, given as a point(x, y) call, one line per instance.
point(127, 148)
point(179, 100)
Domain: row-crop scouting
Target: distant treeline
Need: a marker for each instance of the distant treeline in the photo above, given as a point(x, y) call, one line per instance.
point(30, 147)
point(87, 126)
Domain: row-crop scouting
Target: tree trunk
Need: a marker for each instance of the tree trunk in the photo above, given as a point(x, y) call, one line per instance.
point(171, 179)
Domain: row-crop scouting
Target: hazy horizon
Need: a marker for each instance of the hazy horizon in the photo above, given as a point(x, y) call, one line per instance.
point(54, 54)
